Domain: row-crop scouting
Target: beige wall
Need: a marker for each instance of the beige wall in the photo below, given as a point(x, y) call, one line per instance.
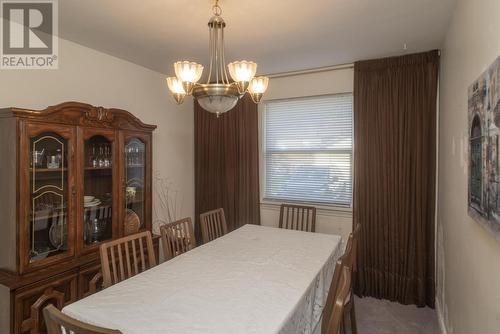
point(86, 75)
point(333, 221)
point(468, 275)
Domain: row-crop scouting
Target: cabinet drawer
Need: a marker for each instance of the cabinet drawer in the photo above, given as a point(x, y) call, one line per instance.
point(29, 303)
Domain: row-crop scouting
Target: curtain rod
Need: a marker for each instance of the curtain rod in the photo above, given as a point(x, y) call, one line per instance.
point(315, 70)
point(312, 70)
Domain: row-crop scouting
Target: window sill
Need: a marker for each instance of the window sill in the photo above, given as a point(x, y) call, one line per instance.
point(327, 210)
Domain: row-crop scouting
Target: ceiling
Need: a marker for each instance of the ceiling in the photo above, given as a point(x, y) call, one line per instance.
point(280, 35)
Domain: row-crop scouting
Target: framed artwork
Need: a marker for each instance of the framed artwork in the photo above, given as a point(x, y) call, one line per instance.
point(484, 149)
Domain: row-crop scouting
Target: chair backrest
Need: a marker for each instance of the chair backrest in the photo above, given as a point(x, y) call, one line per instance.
point(332, 291)
point(351, 249)
point(355, 244)
point(348, 256)
point(213, 225)
point(298, 217)
point(126, 257)
point(348, 259)
point(342, 293)
point(177, 238)
point(59, 323)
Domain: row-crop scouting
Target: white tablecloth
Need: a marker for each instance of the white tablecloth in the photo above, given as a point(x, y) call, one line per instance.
point(254, 280)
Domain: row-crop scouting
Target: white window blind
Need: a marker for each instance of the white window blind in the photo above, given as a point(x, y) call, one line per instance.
point(308, 150)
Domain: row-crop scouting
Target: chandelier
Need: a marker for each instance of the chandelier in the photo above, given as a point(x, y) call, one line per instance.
point(218, 95)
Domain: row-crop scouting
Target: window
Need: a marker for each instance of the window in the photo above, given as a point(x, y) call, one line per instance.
point(307, 148)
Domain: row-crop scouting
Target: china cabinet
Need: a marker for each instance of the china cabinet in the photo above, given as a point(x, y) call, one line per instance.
point(72, 174)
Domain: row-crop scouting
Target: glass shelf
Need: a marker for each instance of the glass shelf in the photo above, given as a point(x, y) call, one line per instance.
point(98, 190)
point(48, 199)
point(135, 155)
point(46, 170)
point(98, 168)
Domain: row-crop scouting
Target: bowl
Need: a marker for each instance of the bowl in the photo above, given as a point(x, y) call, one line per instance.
point(88, 198)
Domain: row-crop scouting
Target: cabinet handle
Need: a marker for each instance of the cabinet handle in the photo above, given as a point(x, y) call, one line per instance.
point(73, 191)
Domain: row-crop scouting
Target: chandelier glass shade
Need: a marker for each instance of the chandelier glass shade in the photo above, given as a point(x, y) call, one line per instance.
point(177, 89)
point(258, 87)
point(218, 95)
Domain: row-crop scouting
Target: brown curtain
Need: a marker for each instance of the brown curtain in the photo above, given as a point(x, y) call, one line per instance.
point(227, 164)
point(395, 171)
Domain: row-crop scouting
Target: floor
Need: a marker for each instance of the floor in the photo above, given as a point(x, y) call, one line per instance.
point(383, 317)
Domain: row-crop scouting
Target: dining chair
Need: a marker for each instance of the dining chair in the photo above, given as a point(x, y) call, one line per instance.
point(334, 323)
point(348, 259)
point(95, 284)
point(177, 238)
point(59, 323)
point(213, 225)
point(334, 284)
point(298, 217)
point(126, 257)
point(351, 262)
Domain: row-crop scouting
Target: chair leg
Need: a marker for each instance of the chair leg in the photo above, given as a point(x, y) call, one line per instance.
point(352, 315)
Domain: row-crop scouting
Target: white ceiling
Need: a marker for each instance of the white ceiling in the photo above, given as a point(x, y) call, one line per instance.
point(280, 35)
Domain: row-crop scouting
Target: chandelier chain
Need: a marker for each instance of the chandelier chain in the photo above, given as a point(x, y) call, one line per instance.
point(216, 8)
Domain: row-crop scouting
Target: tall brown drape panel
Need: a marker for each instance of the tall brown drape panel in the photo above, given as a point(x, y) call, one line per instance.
point(227, 164)
point(395, 171)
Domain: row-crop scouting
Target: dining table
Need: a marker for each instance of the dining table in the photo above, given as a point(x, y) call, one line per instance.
point(256, 279)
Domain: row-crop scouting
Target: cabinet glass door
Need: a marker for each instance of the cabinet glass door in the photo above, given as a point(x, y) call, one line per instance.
point(98, 190)
point(135, 160)
point(49, 203)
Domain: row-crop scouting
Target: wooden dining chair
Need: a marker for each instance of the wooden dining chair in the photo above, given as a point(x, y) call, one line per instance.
point(126, 257)
point(59, 323)
point(334, 323)
point(213, 225)
point(298, 217)
point(348, 259)
point(177, 238)
point(334, 284)
point(351, 261)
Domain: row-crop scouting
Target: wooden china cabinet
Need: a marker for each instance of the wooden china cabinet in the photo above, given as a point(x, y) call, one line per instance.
point(70, 176)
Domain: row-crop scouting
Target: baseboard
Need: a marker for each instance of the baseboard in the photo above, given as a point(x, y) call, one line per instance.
point(440, 317)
